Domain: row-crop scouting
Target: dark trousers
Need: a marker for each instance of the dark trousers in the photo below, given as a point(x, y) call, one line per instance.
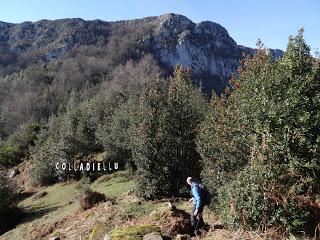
point(196, 221)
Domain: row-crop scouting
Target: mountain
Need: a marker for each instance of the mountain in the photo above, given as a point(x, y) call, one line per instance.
point(206, 47)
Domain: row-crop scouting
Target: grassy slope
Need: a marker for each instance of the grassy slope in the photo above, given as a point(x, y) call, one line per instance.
point(62, 200)
point(58, 214)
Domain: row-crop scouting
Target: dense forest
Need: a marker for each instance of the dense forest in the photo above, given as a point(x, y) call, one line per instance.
point(256, 146)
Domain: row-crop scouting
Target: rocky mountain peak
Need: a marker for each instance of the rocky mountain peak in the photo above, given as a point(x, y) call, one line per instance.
point(173, 21)
point(206, 47)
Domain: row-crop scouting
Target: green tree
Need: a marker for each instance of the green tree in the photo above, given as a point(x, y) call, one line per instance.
point(222, 142)
point(112, 132)
point(164, 146)
point(270, 123)
point(17, 145)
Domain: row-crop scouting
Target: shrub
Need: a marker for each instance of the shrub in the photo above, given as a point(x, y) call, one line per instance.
point(90, 199)
point(44, 159)
point(9, 212)
point(112, 132)
point(17, 144)
point(242, 203)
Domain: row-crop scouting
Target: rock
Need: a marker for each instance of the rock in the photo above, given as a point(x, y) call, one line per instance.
point(152, 236)
point(133, 232)
point(183, 237)
point(14, 172)
point(55, 238)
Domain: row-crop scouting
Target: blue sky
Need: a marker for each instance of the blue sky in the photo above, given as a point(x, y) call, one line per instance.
point(246, 20)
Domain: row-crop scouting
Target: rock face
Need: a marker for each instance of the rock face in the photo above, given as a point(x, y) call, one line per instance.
point(206, 47)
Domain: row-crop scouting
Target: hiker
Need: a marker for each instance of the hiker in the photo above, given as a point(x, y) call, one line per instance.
point(198, 204)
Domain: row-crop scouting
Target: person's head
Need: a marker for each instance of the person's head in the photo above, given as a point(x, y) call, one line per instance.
point(189, 180)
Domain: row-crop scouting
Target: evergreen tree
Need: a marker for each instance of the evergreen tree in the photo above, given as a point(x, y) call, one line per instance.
point(274, 134)
point(222, 142)
point(164, 146)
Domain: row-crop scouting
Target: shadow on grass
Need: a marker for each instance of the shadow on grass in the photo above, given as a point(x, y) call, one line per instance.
point(34, 213)
point(11, 218)
point(24, 195)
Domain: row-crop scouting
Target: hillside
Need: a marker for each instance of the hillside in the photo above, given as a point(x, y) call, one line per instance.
point(136, 96)
point(206, 47)
point(58, 214)
point(43, 63)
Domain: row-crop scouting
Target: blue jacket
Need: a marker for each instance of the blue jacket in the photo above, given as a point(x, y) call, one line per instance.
point(196, 195)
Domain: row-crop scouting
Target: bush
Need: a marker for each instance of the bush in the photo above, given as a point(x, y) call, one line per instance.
point(241, 202)
point(8, 194)
point(10, 154)
point(44, 159)
point(16, 146)
point(66, 138)
point(90, 199)
point(9, 212)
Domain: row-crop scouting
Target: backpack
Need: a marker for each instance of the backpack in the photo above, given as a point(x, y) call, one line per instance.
point(205, 194)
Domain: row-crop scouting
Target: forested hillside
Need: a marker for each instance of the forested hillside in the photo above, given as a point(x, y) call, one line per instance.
point(255, 144)
point(43, 63)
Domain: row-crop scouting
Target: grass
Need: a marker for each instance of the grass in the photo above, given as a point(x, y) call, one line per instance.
point(117, 185)
point(62, 200)
point(124, 214)
point(136, 210)
point(133, 232)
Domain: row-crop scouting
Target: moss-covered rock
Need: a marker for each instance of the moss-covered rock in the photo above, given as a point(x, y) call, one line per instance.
point(133, 232)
